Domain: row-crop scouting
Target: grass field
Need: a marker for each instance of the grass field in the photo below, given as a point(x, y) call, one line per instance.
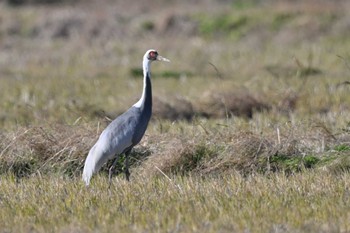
point(251, 119)
point(308, 202)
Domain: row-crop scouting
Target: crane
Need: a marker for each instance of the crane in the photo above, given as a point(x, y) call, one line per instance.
point(126, 131)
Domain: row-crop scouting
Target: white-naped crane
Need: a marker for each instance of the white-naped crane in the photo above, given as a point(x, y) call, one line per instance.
point(123, 133)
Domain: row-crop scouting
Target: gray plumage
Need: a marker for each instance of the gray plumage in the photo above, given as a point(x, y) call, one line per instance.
point(127, 130)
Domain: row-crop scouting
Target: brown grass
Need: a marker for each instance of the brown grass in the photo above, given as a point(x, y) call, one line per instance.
point(61, 63)
point(45, 149)
point(180, 109)
point(62, 149)
point(227, 104)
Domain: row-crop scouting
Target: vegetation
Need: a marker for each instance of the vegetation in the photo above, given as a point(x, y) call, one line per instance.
point(250, 129)
point(304, 202)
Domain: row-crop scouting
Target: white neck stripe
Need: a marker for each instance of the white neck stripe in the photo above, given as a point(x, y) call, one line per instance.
point(146, 72)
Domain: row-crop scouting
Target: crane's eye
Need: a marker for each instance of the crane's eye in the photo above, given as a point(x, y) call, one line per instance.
point(153, 55)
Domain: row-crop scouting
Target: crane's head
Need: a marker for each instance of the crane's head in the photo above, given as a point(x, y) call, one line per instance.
point(152, 55)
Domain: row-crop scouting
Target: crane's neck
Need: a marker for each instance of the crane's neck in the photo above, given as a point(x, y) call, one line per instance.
point(145, 101)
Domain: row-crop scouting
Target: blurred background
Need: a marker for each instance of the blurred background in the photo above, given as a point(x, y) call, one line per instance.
point(66, 60)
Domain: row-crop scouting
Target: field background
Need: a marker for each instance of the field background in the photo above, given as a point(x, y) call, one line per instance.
point(251, 120)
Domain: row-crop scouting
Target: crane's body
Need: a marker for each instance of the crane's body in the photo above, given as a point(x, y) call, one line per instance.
point(127, 130)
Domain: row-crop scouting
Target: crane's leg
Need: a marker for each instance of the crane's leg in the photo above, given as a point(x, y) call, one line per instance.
point(126, 170)
point(111, 170)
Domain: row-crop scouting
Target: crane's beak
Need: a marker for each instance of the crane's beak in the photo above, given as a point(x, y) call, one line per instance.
point(160, 58)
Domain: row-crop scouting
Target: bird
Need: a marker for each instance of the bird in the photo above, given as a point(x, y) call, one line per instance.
point(126, 131)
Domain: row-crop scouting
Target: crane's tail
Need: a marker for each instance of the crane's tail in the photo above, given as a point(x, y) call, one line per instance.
point(90, 166)
point(94, 161)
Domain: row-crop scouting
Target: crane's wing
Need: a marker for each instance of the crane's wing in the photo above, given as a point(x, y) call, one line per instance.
point(114, 140)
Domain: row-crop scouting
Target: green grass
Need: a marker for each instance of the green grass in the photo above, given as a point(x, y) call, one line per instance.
point(231, 166)
point(341, 148)
point(233, 24)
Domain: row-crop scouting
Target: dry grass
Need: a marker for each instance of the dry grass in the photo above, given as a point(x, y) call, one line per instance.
point(250, 131)
point(203, 150)
point(198, 150)
point(43, 150)
point(308, 202)
point(235, 103)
